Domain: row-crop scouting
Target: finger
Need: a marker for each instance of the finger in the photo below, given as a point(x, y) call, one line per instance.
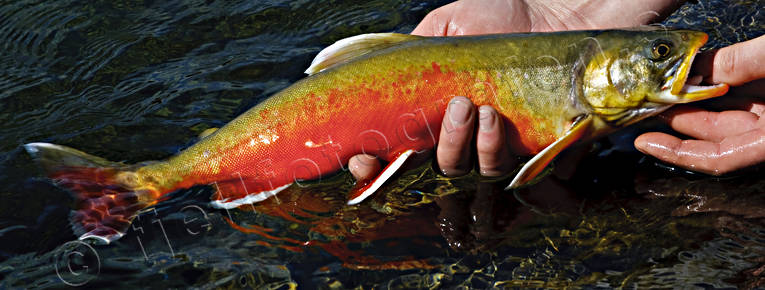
point(459, 18)
point(736, 64)
point(704, 156)
point(711, 126)
point(600, 14)
point(453, 151)
point(436, 22)
point(364, 167)
point(493, 153)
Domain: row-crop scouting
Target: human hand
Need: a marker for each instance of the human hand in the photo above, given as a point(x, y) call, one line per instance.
point(454, 150)
point(505, 16)
point(469, 17)
point(724, 141)
point(465, 221)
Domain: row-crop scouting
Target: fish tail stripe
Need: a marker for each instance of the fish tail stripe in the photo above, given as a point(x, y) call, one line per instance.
point(107, 195)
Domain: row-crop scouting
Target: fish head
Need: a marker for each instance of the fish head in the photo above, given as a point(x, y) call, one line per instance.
point(631, 75)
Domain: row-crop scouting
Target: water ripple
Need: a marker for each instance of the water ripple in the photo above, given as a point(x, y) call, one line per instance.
point(138, 80)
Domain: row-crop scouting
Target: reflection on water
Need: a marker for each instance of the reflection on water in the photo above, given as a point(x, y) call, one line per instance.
point(139, 80)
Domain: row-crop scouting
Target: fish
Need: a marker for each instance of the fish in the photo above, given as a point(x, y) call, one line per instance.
point(385, 94)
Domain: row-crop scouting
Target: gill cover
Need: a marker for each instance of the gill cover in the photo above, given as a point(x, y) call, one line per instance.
point(643, 72)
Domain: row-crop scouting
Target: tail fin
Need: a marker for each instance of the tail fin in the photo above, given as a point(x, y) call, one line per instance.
point(107, 194)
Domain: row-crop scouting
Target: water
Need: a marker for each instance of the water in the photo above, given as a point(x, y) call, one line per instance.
point(139, 80)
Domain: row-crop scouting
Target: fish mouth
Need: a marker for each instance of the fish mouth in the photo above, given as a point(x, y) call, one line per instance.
point(679, 88)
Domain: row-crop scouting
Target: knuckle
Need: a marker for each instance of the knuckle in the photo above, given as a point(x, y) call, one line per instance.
point(489, 145)
point(494, 165)
point(489, 148)
point(448, 159)
point(717, 166)
point(458, 139)
point(727, 61)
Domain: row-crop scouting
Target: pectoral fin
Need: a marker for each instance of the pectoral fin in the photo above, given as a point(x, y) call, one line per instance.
point(360, 193)
point(532, 168)
point(350, 48)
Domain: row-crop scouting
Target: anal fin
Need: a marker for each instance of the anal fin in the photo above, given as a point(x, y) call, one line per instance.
point(360, 193)
point(538, 163)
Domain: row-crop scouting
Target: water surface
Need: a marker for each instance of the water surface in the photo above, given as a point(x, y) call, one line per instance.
point(139, 80)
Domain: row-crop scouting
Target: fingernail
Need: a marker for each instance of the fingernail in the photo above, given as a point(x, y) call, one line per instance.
point(485, 119)
point(459, 112)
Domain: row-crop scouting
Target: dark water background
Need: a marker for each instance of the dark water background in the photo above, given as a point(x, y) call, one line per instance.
point(139, 80)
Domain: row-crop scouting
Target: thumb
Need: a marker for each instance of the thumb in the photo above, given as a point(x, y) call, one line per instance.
point(735, 65)
point(436, 23)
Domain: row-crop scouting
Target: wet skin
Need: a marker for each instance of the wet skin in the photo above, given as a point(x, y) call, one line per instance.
point(725, 141)
point(454, 157)
point(729, 140)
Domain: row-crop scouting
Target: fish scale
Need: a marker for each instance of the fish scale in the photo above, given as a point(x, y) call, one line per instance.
point(385, 95)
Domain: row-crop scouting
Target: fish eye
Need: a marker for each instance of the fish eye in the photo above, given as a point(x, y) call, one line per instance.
point(661, 49)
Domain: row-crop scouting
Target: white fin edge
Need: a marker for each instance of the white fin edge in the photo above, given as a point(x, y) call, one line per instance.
point(53, 154)
point(34, 148)
point(352, 47)
point(207, 132)
point(249, 199)
point(526, 167)
point(576, 130)
point(101, 240)
point(384, 176)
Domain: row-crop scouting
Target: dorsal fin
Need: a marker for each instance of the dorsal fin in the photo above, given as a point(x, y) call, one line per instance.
point(207, 132)
point(349, 48)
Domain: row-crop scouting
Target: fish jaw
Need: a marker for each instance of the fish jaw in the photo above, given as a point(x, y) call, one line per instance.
point(676, 89)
